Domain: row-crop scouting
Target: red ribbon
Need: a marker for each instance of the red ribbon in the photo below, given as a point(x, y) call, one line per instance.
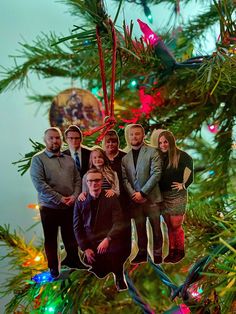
point(113, 74)
point(109, 121)
point(102, 70)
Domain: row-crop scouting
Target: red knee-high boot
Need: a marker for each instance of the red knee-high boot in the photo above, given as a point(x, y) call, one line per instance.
point(179, 244)
point(171, 256)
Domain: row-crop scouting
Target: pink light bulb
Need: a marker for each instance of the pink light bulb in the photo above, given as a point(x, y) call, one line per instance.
point(184, 309)
point(148, 33)
point(213, 128)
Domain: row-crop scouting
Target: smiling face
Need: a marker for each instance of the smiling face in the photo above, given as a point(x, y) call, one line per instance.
point(94, 182)
point(53, 141)
point(136, 136)
point(163, 144)
point(73, 140)
point(111, 145)
point(97, 159)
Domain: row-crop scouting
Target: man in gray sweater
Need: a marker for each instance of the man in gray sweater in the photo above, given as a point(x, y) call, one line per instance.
point(58, 184)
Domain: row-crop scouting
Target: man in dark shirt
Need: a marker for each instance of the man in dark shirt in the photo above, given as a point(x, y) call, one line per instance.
point(97, 226)
point(141, 171)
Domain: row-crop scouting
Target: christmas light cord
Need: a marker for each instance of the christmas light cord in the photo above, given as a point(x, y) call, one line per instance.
point(135, 295)
point(177, 291)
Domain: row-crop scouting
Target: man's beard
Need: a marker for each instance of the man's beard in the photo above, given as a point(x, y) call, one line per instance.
point(55, 149)
point(136, 144)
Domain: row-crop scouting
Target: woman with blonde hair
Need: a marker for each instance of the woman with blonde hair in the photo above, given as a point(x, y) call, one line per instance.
point(177, 175)
point(99, 160)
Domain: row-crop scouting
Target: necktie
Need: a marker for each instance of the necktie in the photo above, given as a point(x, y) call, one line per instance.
point(77, 161)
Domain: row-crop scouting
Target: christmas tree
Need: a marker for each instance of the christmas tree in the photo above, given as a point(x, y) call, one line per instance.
point(157, 81)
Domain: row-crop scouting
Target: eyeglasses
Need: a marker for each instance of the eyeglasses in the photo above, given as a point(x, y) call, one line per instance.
point(74, 138)
point(111, 140)
point(94, 180)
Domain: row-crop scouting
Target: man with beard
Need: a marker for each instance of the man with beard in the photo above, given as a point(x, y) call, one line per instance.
point(58, 184)
point(141, 171)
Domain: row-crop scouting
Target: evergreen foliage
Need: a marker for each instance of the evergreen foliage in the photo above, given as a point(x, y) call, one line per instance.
point(195, 91)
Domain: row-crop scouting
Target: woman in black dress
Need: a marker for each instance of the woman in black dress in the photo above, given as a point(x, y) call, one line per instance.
point(177, 175)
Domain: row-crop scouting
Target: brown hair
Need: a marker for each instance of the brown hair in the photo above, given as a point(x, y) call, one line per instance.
point(111, 134)
point(139, 126)
point(156, 133)
point(173, 151)
point(74, 128)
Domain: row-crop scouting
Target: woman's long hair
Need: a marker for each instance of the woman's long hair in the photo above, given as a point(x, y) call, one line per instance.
point(106, 170)
point(173, 151)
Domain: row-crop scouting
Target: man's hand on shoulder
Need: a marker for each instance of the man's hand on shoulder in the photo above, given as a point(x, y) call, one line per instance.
point(82, 196)
point(109, 193)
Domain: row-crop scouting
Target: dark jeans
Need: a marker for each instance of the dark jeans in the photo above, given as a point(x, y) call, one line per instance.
point(140, 213)
point(52, 219)
point(125, 235)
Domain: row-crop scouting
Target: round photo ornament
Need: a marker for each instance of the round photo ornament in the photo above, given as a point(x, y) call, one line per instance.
point(76, 106)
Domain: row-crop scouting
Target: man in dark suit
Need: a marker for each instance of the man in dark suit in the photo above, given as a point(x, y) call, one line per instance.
point(79, 153)
point(141, 171)
point(97, 227)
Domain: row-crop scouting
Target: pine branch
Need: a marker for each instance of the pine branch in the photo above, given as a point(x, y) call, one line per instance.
point(24, 163)
point(82, 291)
point(41, 99)
point(45, 59)
point(22, 257)
point(92, 11)
point(200, 24)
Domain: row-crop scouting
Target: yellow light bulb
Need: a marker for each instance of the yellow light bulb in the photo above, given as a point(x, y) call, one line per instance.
point(37, 258)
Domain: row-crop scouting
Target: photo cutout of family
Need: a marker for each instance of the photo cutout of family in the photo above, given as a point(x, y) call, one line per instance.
point(96, 194)
point(75, 106)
